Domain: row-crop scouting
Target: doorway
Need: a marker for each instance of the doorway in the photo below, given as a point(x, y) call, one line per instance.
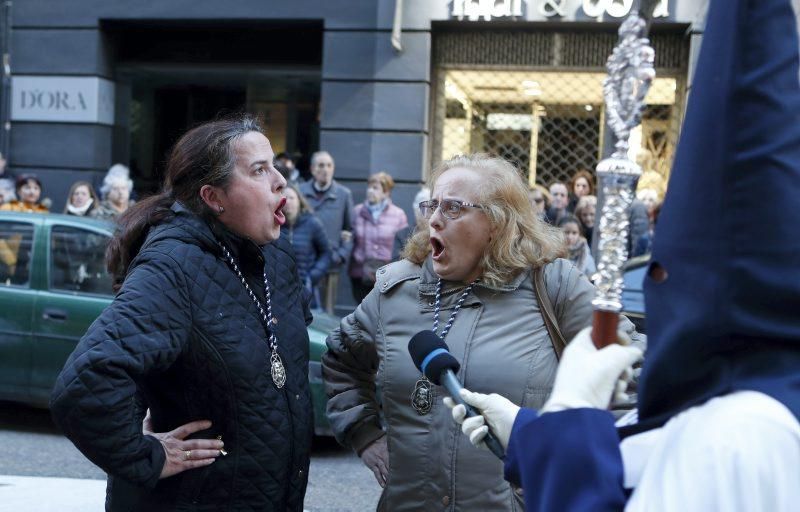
point(174, 75)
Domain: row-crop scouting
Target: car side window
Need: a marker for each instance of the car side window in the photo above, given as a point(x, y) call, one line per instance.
point(16, 249)
point(77, 261)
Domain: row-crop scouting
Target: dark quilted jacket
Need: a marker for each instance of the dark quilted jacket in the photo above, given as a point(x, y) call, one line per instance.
point(183, 336)
point(311, 248)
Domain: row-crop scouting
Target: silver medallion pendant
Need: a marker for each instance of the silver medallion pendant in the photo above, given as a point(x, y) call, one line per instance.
point(422, 396)
point(277, 370)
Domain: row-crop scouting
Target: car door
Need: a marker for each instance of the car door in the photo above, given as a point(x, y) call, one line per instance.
point(17, 298)
point(78, 289)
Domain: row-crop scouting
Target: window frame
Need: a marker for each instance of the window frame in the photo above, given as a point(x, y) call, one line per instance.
point(48, 282)
point(28, 285)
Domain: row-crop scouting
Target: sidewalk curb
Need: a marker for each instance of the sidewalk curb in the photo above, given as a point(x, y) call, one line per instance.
point(46, 494)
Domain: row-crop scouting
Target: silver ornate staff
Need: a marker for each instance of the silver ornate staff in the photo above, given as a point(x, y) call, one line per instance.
point(630, 74)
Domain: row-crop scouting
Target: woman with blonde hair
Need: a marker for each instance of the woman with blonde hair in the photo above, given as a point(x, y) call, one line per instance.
point(376, 221)
point(469, 275)
point(586, 212)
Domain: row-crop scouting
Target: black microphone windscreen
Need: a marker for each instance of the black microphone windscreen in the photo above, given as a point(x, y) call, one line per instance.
point(422, 344)
point(425, 344)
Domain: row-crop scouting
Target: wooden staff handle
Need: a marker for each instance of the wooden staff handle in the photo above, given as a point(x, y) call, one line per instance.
point(604, 328)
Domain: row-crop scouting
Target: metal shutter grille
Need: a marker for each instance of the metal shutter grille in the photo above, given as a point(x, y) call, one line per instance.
point(493, 48)
point(524, 48)
point(481, 104)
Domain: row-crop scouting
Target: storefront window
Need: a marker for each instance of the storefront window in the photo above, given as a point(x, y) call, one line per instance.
point(550, 123)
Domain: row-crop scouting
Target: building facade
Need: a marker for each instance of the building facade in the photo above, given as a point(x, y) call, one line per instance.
point(97, 82)
point(394, 85)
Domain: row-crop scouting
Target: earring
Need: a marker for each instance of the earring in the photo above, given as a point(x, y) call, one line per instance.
point(221, 209)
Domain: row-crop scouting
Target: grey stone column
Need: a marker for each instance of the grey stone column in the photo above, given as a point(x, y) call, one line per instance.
point(60, 152)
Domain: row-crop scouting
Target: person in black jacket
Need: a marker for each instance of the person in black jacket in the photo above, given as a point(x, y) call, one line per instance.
point(208, 332)
point(307, 236)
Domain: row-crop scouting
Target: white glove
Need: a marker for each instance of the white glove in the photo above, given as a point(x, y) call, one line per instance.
point(498, 412)
point(588, 377)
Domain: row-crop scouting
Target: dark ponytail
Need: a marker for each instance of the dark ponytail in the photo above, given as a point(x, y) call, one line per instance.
point(204, 155)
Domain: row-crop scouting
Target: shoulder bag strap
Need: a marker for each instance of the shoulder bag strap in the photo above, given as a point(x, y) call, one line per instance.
point(548, 314)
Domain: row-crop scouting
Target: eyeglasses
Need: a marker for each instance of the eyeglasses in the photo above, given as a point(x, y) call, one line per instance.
point(451, 208)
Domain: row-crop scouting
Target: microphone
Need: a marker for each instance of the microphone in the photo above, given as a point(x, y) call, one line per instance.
point(432, 357)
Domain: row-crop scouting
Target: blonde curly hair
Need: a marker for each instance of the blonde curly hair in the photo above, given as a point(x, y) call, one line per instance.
point(522, 241)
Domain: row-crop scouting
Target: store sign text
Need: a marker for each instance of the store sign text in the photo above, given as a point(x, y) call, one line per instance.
point(487, 10)
point(475, 10)
point(618, 8)
point(62, 99)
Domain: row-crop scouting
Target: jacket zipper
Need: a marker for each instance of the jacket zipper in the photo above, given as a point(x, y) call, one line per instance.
point(213, 349)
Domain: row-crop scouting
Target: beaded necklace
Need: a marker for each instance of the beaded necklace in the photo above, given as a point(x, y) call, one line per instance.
point(422, 397)
point(277, 370)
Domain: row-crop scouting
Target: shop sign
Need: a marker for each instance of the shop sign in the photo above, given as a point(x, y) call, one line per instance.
point(487, 10)
point(62, 99)
point(616, 8)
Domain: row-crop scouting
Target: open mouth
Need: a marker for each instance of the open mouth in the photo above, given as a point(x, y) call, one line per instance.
point(437, 248)
point(280, 218)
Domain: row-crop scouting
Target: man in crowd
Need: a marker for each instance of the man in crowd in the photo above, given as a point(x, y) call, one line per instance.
point(292, 175)
point(333, 205)
point(559, 199)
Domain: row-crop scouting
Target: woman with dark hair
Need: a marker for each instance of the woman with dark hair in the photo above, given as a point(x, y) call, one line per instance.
point(207, 331)
point(81, 199)
point(581, 184)
point(29, 193)
point(578, 251)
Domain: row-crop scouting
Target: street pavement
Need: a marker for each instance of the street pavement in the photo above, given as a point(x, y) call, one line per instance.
point(41, 471)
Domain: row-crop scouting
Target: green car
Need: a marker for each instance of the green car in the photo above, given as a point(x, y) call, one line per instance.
point(53, 284)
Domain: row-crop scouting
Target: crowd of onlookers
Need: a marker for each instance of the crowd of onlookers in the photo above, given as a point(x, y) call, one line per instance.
point(329, 232)
point(25, 193)
point(573, 207)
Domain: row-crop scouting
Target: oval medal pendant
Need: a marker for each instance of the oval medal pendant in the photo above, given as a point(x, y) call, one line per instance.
point(422, 396)
point(277, 370)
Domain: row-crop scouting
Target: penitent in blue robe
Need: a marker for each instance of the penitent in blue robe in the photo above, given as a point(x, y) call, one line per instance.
point(566, 461)
point(725, 321)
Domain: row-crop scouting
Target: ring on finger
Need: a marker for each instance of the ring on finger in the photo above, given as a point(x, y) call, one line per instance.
point(187, 455)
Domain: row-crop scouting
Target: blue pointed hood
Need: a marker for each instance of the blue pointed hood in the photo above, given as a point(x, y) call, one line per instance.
point(727, 317)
